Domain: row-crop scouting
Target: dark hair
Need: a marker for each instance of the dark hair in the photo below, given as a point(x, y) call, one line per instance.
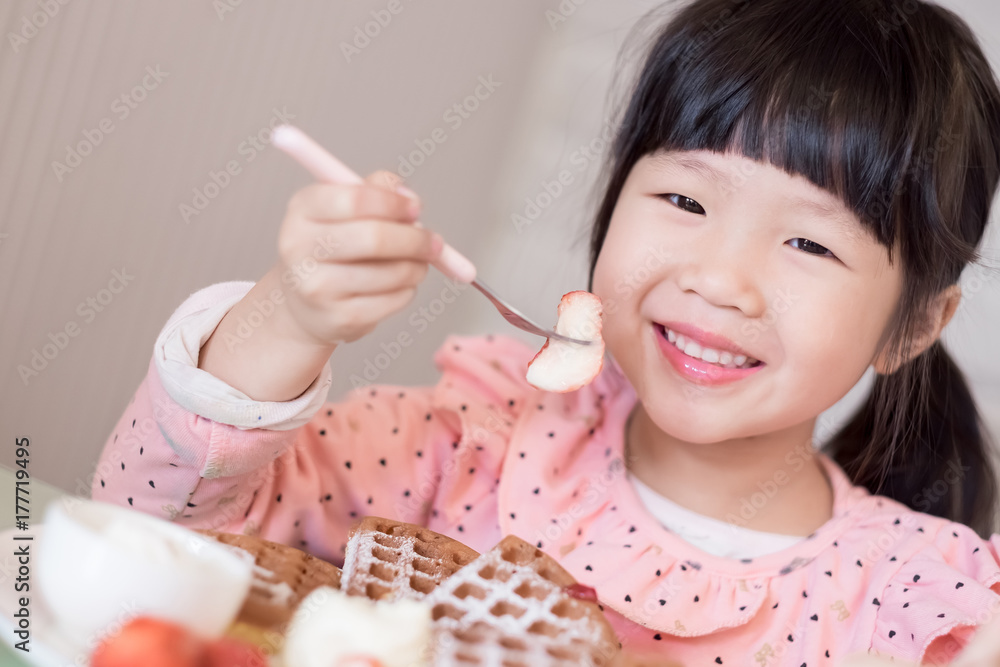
point(891, 106)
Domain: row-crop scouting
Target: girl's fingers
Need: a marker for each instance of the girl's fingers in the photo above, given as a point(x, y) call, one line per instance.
point(344, 281)
point(368, 240)
point(326, 202)
point(391, 181)
point(369, 309)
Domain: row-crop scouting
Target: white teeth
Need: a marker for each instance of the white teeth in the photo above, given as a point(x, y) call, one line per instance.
point(690, 348)
point(722, 358)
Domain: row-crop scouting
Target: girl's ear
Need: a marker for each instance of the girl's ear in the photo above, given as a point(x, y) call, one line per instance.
point(938, 316)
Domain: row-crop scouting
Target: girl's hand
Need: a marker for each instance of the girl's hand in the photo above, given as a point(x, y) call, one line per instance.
point(351, 256)
point(982, 651)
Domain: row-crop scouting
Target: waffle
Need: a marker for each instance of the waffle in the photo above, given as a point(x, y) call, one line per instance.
point(282, 578)
point(510, 607)
point(392, 560)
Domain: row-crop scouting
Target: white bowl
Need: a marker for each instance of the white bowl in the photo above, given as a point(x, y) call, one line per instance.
point(99, 565)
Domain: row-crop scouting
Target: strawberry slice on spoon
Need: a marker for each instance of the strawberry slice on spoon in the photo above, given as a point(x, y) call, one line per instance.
point(564, 367)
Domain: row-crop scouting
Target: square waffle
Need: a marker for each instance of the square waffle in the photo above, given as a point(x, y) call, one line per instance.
point(392, 560)
point(511, 607)
point(283, 576)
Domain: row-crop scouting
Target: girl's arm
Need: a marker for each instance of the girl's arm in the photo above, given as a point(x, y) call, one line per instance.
point(185, 427)
point(259, 349)
point(225, 437)
point(186, 447)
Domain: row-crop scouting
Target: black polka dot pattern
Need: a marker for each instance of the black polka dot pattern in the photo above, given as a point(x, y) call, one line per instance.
point(364, 474)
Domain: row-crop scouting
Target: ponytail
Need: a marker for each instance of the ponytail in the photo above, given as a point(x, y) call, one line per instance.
point(919, 439)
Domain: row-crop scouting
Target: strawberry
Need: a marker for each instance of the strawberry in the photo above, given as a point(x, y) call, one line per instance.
point(150, 642)
point(563, 367)
point(228, 652)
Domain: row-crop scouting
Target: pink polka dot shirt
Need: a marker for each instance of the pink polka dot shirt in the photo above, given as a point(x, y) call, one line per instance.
point(482, 454)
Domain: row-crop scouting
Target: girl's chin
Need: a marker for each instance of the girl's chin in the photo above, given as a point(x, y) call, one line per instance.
point(685, 425)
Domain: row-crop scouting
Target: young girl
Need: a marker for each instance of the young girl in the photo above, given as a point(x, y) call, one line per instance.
point(793, 191)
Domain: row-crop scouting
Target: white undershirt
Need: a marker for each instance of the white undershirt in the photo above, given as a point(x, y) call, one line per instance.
point(718, 538)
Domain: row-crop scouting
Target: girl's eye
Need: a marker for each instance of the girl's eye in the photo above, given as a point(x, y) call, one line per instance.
point(684, 203)
point(691, 206)
point(814, 248)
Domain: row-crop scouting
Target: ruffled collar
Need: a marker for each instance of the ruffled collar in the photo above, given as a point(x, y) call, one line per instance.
point(571, 496)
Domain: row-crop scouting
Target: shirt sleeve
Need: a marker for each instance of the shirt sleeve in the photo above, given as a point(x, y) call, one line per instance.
point(176, 353)
point(934, 603)
point(184, 427)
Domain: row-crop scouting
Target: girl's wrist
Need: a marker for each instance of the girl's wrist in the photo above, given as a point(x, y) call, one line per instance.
point(259, 349)
point(284, 327)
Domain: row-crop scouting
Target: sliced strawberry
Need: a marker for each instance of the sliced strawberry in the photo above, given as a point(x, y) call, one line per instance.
point(539, 353)
point(563, 367)
point(150, 642)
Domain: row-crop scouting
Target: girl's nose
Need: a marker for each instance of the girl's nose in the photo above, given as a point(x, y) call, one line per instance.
point(725, 269)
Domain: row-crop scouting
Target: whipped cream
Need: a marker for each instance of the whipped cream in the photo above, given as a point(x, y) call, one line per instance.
point(329, 625)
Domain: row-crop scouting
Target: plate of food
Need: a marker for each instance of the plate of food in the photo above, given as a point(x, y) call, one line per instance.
point(113, 587)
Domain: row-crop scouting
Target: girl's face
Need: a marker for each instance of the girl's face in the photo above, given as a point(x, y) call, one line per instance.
point(777, 267)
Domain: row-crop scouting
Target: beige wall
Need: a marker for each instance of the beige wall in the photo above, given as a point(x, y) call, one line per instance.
point(224, 76)
point(64, 235)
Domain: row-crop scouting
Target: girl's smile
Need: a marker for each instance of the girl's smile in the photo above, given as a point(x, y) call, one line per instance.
point(738, 234)
point(694, 362)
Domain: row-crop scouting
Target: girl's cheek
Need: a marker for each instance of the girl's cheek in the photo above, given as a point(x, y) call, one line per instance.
point(635, 254)
point(607, 275)
point(605, 270)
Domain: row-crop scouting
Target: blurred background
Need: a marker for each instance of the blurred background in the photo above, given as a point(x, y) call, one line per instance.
point(135, 170)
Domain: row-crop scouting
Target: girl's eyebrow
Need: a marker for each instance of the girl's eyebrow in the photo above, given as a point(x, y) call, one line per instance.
point(845, 223)
point(665, 160)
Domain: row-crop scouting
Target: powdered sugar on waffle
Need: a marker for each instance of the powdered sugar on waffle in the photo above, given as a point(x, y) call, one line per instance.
point(510, 606)
point(389, 560)
point(280, 592)
point(264, 580)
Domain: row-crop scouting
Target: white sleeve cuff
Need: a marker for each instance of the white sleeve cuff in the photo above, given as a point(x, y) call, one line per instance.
point(176, 356)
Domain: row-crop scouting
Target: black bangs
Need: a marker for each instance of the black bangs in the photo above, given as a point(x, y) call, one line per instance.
point(818, 88)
